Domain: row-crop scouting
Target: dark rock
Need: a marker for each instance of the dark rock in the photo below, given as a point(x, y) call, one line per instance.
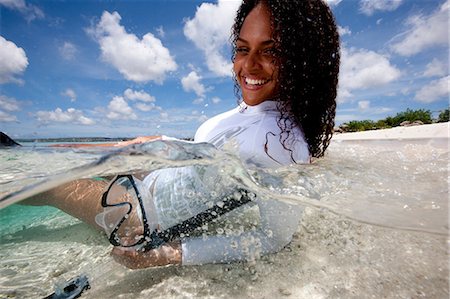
point(338, 130)
point(5, 140)
point(405, 123)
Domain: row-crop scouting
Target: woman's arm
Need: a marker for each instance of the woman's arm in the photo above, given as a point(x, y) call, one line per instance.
point(138, 140)
point(278, 222)
point(79, 198)
point(169, 253)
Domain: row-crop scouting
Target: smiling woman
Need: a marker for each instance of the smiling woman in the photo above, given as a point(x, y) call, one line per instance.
point(286, 62)
point(288, 51)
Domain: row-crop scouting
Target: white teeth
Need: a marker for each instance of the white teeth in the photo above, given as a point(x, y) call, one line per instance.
point(255, 82)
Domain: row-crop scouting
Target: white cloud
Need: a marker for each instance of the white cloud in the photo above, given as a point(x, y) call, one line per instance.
point(363, 105)
point(118, 108)
point(435, 68)
point(72, 115)
point(198, 101)
point(30, 11)
point(6, 117)
point(343, 118)
point(333, 2)
point(183, 117)
point(202, 118)
point(160, 31)
point(146, 107)
point(70, 93)
point(425, 32)
point(344, 31)
point(164, 115)
point(368, 7)
point(364, 69)
point(138, 60)
point(9, 104)
point(216, 100)
point(138, 96)
point(198, 116)
point(363, 111)
point(192, 83)
point(68, 51)
point(210, 31)
point(434, 91)
point(13, 61)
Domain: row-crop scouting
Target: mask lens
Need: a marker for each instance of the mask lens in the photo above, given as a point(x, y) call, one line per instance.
point(123, 205)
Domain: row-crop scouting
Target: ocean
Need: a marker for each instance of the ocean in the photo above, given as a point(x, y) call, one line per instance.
point(375, 224)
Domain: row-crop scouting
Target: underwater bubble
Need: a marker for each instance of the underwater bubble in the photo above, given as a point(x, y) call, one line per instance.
point(234, 244)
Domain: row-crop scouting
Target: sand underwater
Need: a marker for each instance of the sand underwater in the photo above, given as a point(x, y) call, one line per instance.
point(375, 226)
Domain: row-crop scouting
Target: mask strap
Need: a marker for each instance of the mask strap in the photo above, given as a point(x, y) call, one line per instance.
point(229, 203)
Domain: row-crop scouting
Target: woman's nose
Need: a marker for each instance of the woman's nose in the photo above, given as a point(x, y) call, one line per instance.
point(252, 61)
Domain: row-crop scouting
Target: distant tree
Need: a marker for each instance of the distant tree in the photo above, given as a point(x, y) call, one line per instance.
point(359, 125)
point(394, 121)
point(443, 116)
point(411, 116)
point(382, 124)
point(390, 121)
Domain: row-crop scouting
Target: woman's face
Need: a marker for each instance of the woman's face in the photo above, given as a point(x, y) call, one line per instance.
point(255, 63)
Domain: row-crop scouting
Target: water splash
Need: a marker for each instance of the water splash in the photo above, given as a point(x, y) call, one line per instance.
point(399, 185)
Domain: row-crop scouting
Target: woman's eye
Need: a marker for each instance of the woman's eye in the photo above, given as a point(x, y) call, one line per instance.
point(241, 50)
point(270, 52)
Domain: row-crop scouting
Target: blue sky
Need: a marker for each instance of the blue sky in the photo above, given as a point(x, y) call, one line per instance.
point(130, 68)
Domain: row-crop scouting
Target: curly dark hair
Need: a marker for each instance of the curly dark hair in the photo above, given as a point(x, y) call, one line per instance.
point(307, 41)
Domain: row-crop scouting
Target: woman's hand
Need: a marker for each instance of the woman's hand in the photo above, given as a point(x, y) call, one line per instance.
point(138, 140)
point(168, 253)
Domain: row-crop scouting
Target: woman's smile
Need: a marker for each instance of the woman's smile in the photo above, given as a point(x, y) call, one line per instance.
point(254, 84)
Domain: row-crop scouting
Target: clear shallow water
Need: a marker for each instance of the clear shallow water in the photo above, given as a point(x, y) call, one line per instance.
point(399, 186)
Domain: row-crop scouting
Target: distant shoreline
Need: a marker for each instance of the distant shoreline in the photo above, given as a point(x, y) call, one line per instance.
point(74, 139)
point(438, 130)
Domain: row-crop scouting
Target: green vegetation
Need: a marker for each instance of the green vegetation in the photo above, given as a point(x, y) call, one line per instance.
point(410, 116)
point(443, 116)
point(359, 125)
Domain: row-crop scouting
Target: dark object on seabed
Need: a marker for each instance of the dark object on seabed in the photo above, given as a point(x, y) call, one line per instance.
point(71, 289)
point(5, 140)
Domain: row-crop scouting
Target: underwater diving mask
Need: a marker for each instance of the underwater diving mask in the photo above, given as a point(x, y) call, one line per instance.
point(130, 220)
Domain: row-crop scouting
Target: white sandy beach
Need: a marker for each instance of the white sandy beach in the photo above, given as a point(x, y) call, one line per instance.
point(438, 130)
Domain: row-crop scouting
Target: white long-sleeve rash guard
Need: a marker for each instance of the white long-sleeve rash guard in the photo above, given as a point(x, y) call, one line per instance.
point(255, 130)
